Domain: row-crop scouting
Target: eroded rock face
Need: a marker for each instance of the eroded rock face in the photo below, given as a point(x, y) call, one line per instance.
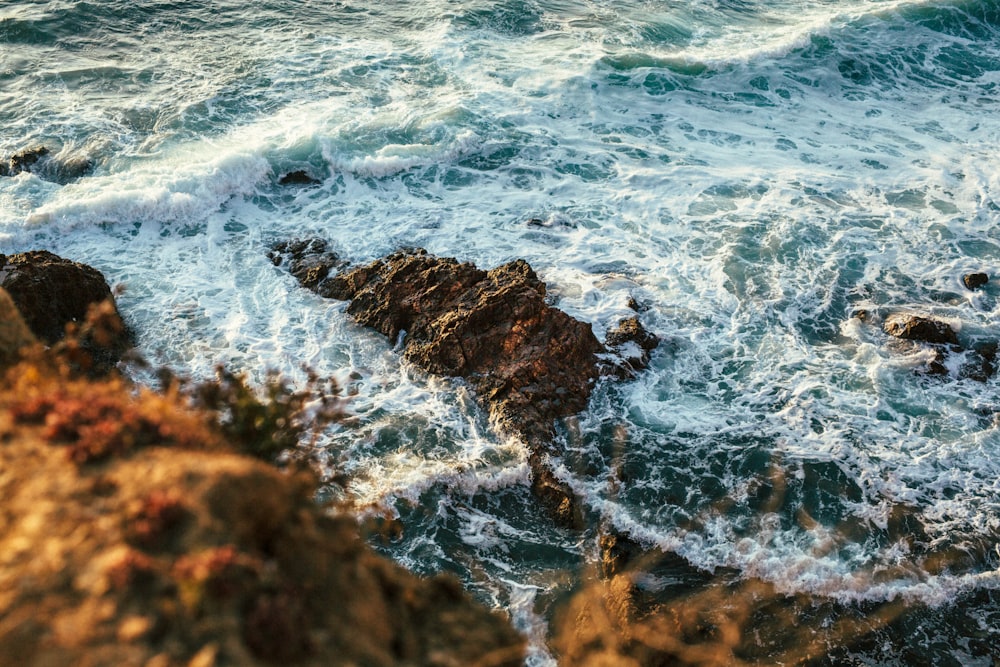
point(530, 364)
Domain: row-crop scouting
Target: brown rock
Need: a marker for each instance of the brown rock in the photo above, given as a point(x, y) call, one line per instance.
point(24, 160)
point(632, 342)
point(309, 260)
point(50, 291)
point(919, 328)
point(531, 364)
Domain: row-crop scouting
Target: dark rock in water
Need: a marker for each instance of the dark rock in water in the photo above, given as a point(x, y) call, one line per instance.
point(52, 292)
point(297, 178)
point(530, 364)
point(71, 169)
point(974, 281)
point(309, 260)
point(981, 361)
point(37, 161)
point(24, 160)
point(617, 553)
point(632, 342)
point(919, 328)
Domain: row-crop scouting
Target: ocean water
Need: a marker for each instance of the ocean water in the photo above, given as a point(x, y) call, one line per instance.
point(752, 173)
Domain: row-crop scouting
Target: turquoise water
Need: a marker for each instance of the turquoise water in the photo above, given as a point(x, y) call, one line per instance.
point(752, 173)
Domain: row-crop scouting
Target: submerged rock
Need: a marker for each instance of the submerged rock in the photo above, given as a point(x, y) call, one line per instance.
point(632, 343)
point(298, 178)
point(309, 260)
point(22, 160)
point(530, 364)
point(40, 161)
point(977, 362)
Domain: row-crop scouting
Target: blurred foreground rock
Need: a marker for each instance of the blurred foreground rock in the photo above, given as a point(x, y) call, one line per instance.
point(132, 534)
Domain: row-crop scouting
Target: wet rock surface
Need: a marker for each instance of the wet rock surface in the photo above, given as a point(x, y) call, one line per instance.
point(974, 360)
point(309, 261)
point(531, 365)
point(52, 292)
point(39, 160)
point(300, 177)
point(919, 328)
point(974, 281)
point(633, 343)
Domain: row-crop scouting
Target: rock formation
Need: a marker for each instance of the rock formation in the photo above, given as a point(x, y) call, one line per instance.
point(530, 364)
point(974, 281)
point(919, 328)
point(978, 361)
point(52, 292)
point(38, 160)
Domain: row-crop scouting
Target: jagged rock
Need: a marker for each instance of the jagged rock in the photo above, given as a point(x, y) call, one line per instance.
point(974, 281)
point(530, 364)
point(632, 343)
point(919, 328)
point(297, 178)
point(40, 161)
point(23, 160)
point(309, 260)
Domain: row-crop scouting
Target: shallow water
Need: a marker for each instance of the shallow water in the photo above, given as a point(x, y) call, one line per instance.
point(752, 173)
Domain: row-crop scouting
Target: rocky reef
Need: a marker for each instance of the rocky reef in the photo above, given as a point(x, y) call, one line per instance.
point(530, 364)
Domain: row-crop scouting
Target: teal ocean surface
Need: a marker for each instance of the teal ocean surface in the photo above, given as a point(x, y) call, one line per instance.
point(752, 173)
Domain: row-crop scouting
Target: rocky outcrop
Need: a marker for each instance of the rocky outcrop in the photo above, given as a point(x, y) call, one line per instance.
point(39, 160)
point(298, 178)
point(52, 292)
point(310, 261)
point(919, 328)
point(974, 281)
point(632, 343)
point(530, 364)
point(22, 161)
point(134, 535)
point(977, 361)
